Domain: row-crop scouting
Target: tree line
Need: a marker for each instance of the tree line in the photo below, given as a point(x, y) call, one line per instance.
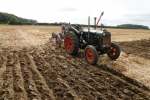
point(132, 26)
point(11, 19)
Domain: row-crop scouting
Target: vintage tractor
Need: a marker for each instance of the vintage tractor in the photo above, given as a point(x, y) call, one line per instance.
point(94, 42)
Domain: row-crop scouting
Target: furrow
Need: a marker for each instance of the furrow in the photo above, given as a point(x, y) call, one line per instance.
point(125, 91)
point(29, 84)
point(59, 70)
point(115, 83)
point(57, 83)
point(8, 91)
point(78, 75)
point(42, 87)
point(91, 77)
point(18, 85)
point(3, 61)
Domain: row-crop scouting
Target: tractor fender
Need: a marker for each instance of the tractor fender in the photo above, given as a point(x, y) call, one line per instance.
point(75, 31)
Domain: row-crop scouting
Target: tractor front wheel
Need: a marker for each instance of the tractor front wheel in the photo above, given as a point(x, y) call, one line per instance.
point(114, 52)
point(90, 55)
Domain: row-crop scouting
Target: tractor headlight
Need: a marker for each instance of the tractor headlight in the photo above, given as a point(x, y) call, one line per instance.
point(103, 34)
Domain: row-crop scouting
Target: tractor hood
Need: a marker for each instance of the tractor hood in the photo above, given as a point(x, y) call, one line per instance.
point(98, 32)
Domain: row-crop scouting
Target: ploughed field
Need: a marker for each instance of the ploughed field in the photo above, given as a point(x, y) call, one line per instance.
point(32, 68)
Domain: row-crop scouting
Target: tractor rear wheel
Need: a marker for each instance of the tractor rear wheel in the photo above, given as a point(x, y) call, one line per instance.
point(90, 55)
point(114, 51)
point(58, 41)
point(71, 43)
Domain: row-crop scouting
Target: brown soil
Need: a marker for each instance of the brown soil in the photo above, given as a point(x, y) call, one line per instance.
point(139, 48)
point(43, 72)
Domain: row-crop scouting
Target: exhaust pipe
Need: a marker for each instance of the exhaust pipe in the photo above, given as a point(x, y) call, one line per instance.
point(95, 23)
point(88, 29)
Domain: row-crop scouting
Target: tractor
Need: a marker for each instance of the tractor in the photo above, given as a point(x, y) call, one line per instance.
point(94, 42)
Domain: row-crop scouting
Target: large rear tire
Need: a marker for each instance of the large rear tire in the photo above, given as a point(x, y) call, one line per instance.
point(71, 43)
point(114, 51)
point(90, 55)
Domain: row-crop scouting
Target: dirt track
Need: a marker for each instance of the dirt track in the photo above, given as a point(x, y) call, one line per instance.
point(46, 73)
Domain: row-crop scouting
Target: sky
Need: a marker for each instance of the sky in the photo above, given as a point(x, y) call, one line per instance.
point(116, 12)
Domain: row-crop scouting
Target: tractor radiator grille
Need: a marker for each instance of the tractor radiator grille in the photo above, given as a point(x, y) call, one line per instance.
point(105, 40)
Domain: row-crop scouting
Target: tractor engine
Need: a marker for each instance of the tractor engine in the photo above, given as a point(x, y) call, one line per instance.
point(100, 39)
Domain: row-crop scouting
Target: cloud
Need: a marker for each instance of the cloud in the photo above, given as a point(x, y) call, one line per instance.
point(139, 18)
point(136, 18)
point(68, 9)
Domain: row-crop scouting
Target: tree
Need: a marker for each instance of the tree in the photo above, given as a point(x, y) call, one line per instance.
point(133, 26)
point(11, 19)
point(14, 21)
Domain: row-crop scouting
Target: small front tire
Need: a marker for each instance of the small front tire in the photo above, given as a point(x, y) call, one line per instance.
point(114, 51)
point(90, 55)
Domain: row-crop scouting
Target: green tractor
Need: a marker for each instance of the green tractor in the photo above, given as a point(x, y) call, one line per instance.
point(94, 42)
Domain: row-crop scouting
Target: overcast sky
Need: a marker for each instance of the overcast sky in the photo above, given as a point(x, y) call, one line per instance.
point(116, 12)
